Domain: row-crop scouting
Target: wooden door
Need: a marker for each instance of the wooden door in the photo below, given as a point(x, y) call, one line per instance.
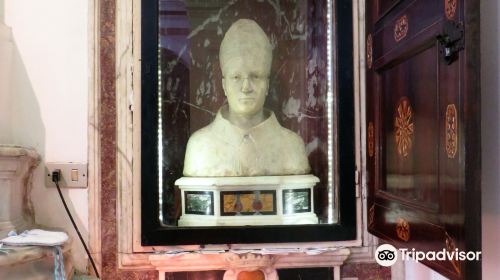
point(423, 128)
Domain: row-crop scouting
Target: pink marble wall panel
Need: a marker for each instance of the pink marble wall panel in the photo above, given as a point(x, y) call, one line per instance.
point(107, 122)
point(366, 271)
point(196, 275)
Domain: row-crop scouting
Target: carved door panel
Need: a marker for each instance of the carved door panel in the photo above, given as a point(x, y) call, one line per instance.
point(423, 127)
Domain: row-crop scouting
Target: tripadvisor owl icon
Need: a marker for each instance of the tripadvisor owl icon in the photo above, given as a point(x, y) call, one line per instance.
point(386, 255)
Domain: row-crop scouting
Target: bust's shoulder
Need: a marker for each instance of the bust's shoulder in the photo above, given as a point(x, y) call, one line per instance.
point(292, 137)
point(197, 151)
point(294, 148)
point(202, 136)
point(283, 133)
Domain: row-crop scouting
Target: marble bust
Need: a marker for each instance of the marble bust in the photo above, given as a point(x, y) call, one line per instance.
point(245, 139)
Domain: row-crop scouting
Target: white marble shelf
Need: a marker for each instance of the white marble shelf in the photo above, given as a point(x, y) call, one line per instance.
point(235, 263)
point(8, 150)
point(23, 254)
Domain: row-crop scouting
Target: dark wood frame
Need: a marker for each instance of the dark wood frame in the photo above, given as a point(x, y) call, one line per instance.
point(473, 133)
point(153, 233)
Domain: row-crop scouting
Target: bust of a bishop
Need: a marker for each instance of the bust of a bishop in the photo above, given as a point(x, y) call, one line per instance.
point(245, 139)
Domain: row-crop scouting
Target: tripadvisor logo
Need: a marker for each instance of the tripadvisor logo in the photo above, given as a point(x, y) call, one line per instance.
point(387, 255)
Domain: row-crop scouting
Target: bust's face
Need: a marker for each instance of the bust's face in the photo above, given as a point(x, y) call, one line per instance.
point(245, 83)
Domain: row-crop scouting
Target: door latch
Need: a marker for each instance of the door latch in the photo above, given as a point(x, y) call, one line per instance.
point(451, 41)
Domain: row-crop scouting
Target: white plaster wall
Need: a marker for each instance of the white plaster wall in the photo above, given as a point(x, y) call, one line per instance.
point(418, 271)
point(49, 99)
point(6, 53)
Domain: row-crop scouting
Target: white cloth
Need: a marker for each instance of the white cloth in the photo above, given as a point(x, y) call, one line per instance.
point(36, 237)
point(223, 149)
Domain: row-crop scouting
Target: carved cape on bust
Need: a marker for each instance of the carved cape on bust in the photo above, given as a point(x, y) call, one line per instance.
point(223, 149)
point(245, 139)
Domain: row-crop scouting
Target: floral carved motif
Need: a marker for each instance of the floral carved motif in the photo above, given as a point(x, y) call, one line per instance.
point(451, 131)
point(450, 7)
point(371, 139)
point(369, 51)
point(401, 28)
point(403, 229)
point(403, 126)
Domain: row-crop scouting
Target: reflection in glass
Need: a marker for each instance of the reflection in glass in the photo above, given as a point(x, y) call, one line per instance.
point(300, 92)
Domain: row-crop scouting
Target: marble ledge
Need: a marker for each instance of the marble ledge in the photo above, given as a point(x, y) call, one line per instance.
point(223, 261)
point(33, 263)
point(7, 150)
point(253, 180)
point(24, 254)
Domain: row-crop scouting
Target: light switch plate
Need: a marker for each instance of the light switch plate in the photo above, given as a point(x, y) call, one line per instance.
point(73, 174)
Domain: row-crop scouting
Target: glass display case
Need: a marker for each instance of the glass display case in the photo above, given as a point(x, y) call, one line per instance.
point(247, 122)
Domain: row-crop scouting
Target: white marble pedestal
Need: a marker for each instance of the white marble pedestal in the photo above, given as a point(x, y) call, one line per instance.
point(16, 213)
point(16, 166)
point(240, 201)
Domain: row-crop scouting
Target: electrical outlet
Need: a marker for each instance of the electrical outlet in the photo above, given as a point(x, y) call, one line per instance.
point(73, 174)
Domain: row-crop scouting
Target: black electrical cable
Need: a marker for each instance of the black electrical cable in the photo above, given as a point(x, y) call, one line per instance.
point(55, 178)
